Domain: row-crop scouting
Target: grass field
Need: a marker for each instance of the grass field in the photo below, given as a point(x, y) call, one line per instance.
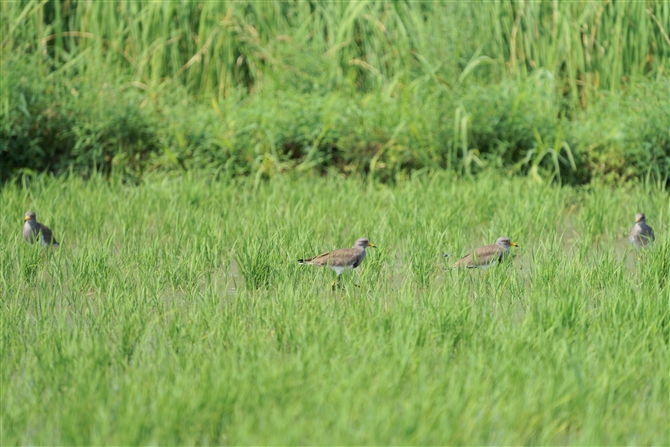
point(174, 313)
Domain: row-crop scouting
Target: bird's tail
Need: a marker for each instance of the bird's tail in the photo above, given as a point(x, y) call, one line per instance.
point(307, 260)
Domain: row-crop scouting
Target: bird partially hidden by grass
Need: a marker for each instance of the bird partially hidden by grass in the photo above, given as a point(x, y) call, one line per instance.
point(32, 230)
point(641, 235)
point(486, 256)
point(342, 259)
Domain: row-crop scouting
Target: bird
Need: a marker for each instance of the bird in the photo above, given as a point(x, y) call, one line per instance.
point(641, 234)
point(341, 259)
point(486, 256)
point(32, 229)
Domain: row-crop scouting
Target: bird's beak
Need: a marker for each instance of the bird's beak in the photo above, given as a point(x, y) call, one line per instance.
point(370, 244)
point(26, 218)
point(637, 220)
point(513, 244)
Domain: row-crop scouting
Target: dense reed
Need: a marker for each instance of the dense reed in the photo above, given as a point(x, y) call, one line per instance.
point(212, 47)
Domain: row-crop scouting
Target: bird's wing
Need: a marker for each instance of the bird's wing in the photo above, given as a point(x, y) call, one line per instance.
point(339, 257)
point(346, 257)
point(343, 256)
point(47, 235)
point(464, 261)
point(321, 259)
point(489, 253)
point(481, 256)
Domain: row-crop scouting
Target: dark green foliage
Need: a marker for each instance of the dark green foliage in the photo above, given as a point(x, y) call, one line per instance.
point(109, 126)
point(80, 124)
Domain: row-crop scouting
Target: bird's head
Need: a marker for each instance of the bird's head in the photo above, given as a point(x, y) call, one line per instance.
point(506, 242)
point(364, 243)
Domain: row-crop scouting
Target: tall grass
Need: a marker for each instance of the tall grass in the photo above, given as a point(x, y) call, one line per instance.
point(212, 47)
point(154, 324)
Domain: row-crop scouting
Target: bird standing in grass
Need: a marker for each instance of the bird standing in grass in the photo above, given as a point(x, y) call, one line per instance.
point(32, 229)
point(341, 259)
point(486, 256)
point(641, 234)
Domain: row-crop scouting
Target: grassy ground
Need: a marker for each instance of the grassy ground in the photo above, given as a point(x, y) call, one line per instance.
point(175, 313)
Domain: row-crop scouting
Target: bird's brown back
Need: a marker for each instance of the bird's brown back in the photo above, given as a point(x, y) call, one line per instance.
point(481, 256)
point(340, 257)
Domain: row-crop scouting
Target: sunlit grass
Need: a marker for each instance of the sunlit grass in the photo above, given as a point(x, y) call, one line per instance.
point(214, 47)
point(175, 312)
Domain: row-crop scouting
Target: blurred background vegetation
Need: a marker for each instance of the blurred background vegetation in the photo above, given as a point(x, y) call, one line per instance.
point(565, 91)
